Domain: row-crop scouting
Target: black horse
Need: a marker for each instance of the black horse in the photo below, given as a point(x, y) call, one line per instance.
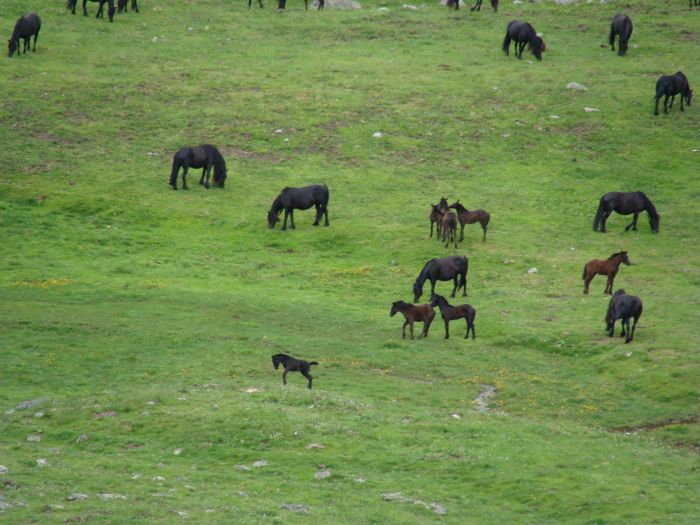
point(623, 306)
point(622, 26)
point(291, 199)
point(625, 203)
point(442, 270)
point(670, 86)
point(27, 26)
point(123, 6)
point(291, 364)
point(477, 5)
point(70, 4)
point(206, 157)
point(523, 33)
point(251, 1)
point(281, 4)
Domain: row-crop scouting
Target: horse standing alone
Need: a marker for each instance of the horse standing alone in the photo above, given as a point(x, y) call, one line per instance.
point(623, 306)
point(470, 217)
point(523, 33)
point(206, 157)
point(450, 313)
point(292, 364)
point(445, 269)
point(626, 203)
point(26, 27)
point(670, 86)
point(291, 199)
point(621, 25)
point(421, 313)
point(608, 267)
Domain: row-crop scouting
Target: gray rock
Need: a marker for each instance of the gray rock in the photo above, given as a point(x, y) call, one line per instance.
point(438, 509)
point(322, 474)
point(481, 402)
point(576, 86)
point(295, 507)
point(33, 438)
point(260, 463)
point(394, 496)
point(110, 497)
point(564, 2)
point(24, 405)
point(340, 4)
point(3, 469)
point(42, 462)
point(312, 446)
point(532, 270)
point(242, 468)
point(77, 496)
point(39, 414)
point(4, 506)
point(590, 110)
point(81, 438)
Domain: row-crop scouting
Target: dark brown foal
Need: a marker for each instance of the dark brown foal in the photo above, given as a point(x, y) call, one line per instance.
point(449, 228)
point(608, 267)
point(470, 217)
point(291, 364)
point(414, 313)
point(450, 313)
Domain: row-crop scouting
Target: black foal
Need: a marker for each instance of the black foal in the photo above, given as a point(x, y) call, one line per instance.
point(293, 365)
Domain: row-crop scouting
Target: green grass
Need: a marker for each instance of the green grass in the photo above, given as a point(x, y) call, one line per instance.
point(120, 295)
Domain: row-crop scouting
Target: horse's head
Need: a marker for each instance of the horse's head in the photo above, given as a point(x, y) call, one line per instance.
point(276, 361)
point(689, 96)
point(625, 259)
point(443, 204)
point(417, 291)
point(394, 308)
point(272, 218)
point(11, 47)
point(654, 223)
point(537, 46)
point(436, 299)
point(220, 177)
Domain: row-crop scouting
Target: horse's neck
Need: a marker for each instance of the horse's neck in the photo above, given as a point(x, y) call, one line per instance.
point(424, 273)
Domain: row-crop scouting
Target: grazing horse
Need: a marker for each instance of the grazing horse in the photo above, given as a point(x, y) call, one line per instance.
point(449, 228)
point(291, 364)
point(623, 306)
point(523, 33)
point(26, 26)
point(206, 157)
point(622, 26)
point(608, 267)
point(422, 313)
point(70, 4)
point(477, 5)
point(445, 269)
point(450, 313)
point(291, 199)
point(625, 203)
point(470, 217)
point(670, 86)
point(123, 6)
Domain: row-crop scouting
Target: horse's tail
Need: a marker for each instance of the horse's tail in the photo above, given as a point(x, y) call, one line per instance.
point(506, 42)
point(599, 214)
point(584, 272)
point(313, 363)
point(173, 172)
point(463, 276)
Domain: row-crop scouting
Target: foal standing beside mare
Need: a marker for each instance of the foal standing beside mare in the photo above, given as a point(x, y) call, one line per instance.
point(470, 217)
point(523, 33)
point(291, 364)
point(26, 27)
point(623, 306)
point(445, 269)
point(206, 157)
point(421, 313)
point(621, 25)
point(608, 267)
point(670, 86)
point(449, 227)
point(450, 313)
point(626, 203)
point(291, 199)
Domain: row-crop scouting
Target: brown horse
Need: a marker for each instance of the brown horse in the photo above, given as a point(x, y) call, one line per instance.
point(470, 217)
point(422, 313)
point(450, 313)
point(608, 267)
point(449, 228)
point(435, 216)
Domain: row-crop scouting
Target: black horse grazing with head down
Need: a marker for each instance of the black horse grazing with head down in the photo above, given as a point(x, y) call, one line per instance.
point(622, 26)
point(70, 4)
point(291, 364)
point(670, 86)
point(477, 5)
point(450, 313)
point(445, 269)
point(523, 33)
point(623, 306)
point(626, 203)
point(206, 157)
point(27, 26)
point(291, 199)
point(123, 6)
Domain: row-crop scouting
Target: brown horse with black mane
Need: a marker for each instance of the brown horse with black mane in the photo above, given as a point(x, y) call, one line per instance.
point(470, 217)
point(450, 313)
point(422, 313)
point(608, 267)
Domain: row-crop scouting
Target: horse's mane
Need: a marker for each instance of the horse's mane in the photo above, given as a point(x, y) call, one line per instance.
point(615, 255)
point(620, 292)
point(15, 31)
point(424, 272)
point(402, 304)
point(651, 209)
point(219, 162)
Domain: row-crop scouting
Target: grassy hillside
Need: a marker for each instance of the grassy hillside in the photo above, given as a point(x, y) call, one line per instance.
point(138, 322)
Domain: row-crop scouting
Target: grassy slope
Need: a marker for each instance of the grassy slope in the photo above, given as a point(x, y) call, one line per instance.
point(117, 292)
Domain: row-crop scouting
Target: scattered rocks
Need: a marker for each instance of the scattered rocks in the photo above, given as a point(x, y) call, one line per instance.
point(24, 405)
point(33, 438)
point(260, 463)
point(4, 506)
point(532, 270)
point(590, 110)
point(3, 469)
point(76, 496)
point(110, 497)
point(312, 446)
point(410, 7)
point(242, 468)
point(42, 462)
point(397, 496)
point(564, 2)
point(295, 507)
point(158, 478)
point(576, 86)
point(481, 402)
point(394, 496)
point(322, 474)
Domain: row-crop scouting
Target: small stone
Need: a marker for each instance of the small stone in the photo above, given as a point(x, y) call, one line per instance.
point(177, 451)
point(136, 475)
point(456, 416)
point(278, 131)
point(260, 463)
point(393, 496)
point(42, 462)
point(360, 480)
point(3, 469)
point(628, 354)
point(437, 508)
point(150, 402)
point(576, 86)
point(410, 7)
point(181, 513)
point(110, 497)
point(154, 39)
point(242, 493)
point(33, 438)
point(383, 9)
point(158, 478)
point(54, 450)
point(517, 2)
point(554, 117)
point(9, 412)
point(103, 415)
point(190, 28)
point(252, 390)
point(81, 438)
point(377, 134)
point(242, 468)
point(24, 405)
point(56, 507)
point(322, 474)
point(590, 110)
point(76, 496)
point(4, 506)
point(312, 446)
point(295, 507)
point(39, 414)
point(532, 270)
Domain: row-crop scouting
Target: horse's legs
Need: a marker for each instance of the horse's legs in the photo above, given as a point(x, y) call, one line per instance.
point(483, 227)
point(291, 217)
point(681, 98)
point(431, 230)
point(306, 7)
point(432, 288)
point(461, 233)
point(456, 286)
point(611, 332)
point(307, 376)
point(587, 282)
point(625, 322)
point(35, 37)
point(318, 214)
point(184, 177)
point(673, 98)
point(633, 224)
point(426, 327)
point(84, 7)
point(447, 329)
point(604, 220)
point(411, 327)
point(473, 331)
point(284, 377)
point(656, 107)
point(403, 329)
point(286, 214)
point(321, 4)
point(325, 214)
point(665, 103)
point(634, 326)
point(206, 179)
point(609, 285)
